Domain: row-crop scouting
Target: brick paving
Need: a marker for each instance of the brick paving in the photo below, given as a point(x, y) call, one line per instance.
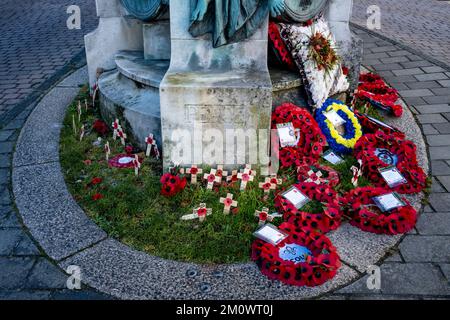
point(35, 43)
point(419, 24)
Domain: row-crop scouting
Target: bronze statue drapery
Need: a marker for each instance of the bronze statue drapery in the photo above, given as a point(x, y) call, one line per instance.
point(145, 10)
point(227, 20)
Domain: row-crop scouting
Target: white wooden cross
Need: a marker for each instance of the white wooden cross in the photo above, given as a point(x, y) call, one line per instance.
point(151, 144)
point(199, 213)
point(228, 203)
point(82, 132)
point(79, 110)
point(212, 177)
point(122, 135)
point(136, 164)
point(116, 127)
point(86, 104)
point(220, 172)
point(194, 171)
point(264, 216)
point(267, 185)
point(245, 177)
point(107, 150)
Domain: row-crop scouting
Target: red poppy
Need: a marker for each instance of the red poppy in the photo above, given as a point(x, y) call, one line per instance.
point(172, 184)
point(129, 150)
point(96, 181)
point(202, 212)
point(194, 170)
point(97, 196)
point(228, 202)
point(100, 127)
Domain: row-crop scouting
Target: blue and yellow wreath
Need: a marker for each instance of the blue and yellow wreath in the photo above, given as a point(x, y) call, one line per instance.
point(342, 144)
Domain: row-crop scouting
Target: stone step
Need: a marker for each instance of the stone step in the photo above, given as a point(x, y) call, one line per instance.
point(137, 106)
point(132, 65)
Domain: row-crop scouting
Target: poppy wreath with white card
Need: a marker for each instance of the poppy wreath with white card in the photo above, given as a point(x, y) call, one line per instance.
point(310, 141)
point(329, 219)
point(367, 216)
point(304, 258)
point(377, 150)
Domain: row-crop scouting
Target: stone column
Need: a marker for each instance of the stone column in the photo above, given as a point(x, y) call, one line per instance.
point(115, 32)
point(209, 92)
point(338, 14)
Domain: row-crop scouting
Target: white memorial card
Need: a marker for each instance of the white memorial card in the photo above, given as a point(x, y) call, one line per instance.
point(388, 202)
point(332, 157)
point(296, 197)
point(286, 132)
point(271, 234)
point(335, 119)
point(392, 176)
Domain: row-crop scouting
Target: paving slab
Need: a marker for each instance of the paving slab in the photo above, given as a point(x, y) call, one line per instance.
point(415, 248)
point(14, 271)
point(434, 223)
point(54, 219)
point(39, 138)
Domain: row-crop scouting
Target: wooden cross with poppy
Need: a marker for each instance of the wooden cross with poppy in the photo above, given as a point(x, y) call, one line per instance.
point(116, 127)
point(194, 170)
point(107, 150)
point(264, 216)
point(250, 171)
point(151, 145)
point(199, 213)
point(228, 202)
point(212, 177)
point(245, 177)
point(122, 135)
point(220, 172)
point(136, 164)
point(267, 185)
point(86, 105)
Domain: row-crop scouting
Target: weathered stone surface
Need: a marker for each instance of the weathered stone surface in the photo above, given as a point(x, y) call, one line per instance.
point(361, 249)
point(76, 79)
point(10, 239)
point(114, 268)
point(440, 201)
point(399, 278)
point(46, 276)
point(14, 271)
point(434, 223)
point(425, 248)
point(109, 8)
point(157, 40)
point(111, 35)
point(52, 216)
point(440, 153)
point(24, 295)
point(445, 180)
point(137, 107)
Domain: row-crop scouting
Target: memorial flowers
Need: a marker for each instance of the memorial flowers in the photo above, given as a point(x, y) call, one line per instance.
point(340, 143)
point(303, 258)
point(172, 184)
point(368, 217)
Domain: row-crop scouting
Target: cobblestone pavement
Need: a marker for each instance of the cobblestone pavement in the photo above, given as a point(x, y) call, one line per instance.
point(420, 24)
point(35, 43)
point(420, 267)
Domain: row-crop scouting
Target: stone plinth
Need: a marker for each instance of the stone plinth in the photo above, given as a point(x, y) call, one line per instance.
point(157, 40)
point(209, 91)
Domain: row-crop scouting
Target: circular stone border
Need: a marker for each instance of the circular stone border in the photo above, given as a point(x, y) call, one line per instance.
point(69, 237)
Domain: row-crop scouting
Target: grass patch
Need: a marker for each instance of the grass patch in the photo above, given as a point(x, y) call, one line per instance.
point(133, 211)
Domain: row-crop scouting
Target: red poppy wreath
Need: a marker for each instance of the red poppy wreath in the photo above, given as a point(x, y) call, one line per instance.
point(304, 258)
point(329, 219)
point(311, 141)
point(368, 217)
point(380, 150)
